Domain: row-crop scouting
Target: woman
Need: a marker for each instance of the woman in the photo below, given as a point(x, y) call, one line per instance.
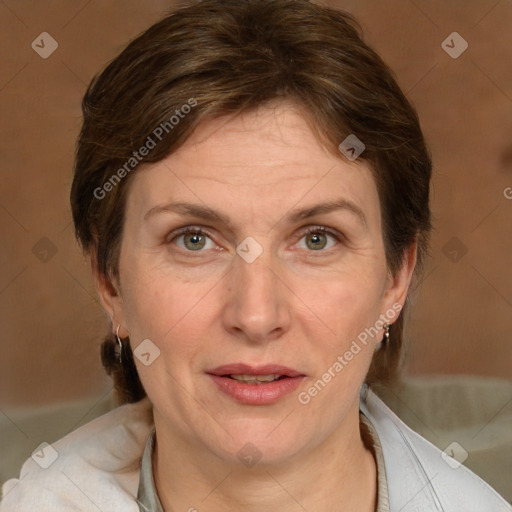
point(253, 190)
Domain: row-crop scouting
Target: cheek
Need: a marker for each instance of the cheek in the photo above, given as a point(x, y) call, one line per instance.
point(165, 312)
point(346, 304)
point(343, 352)
point(163, 308)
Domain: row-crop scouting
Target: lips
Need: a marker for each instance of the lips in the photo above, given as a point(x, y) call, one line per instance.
point(255, 385)
point(245, 369)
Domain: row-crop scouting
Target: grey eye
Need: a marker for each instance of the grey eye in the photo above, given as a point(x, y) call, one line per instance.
point(316, 241)
point(194, 241)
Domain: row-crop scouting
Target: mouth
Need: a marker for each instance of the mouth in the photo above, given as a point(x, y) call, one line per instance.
point(256, 379)
point(255, 385)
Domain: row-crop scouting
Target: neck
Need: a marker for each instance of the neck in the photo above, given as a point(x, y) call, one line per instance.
point(339, 474)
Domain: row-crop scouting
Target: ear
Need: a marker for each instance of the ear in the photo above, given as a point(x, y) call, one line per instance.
point(108, 290)
point(398, 285)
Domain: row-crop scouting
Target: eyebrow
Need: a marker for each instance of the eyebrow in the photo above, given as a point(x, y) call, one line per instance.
point(207, 213)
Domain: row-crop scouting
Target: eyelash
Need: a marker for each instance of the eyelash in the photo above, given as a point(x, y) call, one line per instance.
point(201, 231)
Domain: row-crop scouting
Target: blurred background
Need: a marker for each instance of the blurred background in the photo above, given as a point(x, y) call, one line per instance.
point(453, 60)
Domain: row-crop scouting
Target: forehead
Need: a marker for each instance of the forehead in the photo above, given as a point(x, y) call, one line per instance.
point(266, 158)
point(262, 138)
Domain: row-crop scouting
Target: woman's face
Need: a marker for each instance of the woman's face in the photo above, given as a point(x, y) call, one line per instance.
point(256, 294)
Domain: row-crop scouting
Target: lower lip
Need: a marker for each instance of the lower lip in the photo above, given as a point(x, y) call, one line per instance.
point(257, 394)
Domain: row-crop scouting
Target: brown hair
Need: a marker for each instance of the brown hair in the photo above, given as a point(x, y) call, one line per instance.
point(225, 57)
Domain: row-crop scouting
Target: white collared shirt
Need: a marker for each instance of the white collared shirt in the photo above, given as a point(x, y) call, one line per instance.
point(99, 467)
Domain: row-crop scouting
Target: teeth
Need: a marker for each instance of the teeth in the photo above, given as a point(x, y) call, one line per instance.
point(255, 379)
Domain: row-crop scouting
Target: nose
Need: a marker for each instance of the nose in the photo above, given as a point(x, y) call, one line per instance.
point(257, 306)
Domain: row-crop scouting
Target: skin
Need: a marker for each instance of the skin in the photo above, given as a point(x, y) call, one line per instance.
point(297, 304)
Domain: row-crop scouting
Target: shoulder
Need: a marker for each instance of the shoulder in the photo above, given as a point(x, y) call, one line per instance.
point(94, 467)
point(420, 476)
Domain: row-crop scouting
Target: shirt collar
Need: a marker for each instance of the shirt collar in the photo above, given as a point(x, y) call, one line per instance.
point(147, 496)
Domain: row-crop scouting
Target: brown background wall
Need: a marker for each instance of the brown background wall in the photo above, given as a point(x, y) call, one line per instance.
point(52, 324)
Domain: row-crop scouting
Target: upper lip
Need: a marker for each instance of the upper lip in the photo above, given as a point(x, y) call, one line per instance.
point(246, 369)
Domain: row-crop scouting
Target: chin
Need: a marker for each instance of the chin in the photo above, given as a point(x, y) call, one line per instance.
point(259, 442)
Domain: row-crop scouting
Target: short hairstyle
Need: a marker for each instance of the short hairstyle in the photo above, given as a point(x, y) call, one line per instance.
point(216, 58)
